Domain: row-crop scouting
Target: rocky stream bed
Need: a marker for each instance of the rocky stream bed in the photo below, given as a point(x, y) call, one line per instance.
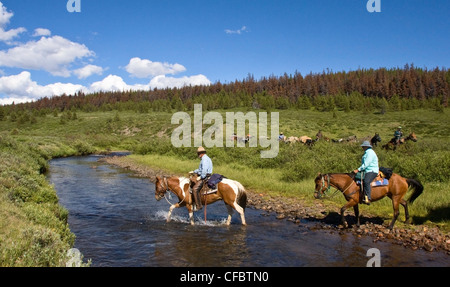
point(299, 213)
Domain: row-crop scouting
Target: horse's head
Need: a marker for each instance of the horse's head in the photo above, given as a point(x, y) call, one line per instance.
point(161, 188)
point(322, 185)
point(413, 137)
point(377, 138)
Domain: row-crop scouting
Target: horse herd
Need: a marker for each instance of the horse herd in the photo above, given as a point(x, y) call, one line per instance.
point(374, 140)
point(235, 197)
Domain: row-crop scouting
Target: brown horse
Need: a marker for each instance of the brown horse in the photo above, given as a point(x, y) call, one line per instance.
point(394, 144)
point(230, 191)
point(345, 183)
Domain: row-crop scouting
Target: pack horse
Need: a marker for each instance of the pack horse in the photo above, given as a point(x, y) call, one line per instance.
point(230, 191)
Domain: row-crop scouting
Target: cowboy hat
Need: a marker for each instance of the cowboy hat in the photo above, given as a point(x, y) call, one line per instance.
point(201, 149)
point(366, 144)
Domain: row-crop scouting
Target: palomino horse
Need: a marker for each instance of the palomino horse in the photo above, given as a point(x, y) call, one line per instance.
point(393, 143)
point(345, 183)
point(230, 191)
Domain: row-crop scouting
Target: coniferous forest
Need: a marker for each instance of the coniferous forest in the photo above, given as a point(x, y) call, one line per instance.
point(364, 89)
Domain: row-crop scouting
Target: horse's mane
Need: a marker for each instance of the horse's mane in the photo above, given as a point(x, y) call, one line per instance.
point(183, 179)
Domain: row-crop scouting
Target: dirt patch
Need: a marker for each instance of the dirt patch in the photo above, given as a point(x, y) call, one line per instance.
point(297, 211)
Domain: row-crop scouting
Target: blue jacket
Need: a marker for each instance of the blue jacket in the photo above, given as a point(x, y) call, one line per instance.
point(369, 162)
point(205, 167)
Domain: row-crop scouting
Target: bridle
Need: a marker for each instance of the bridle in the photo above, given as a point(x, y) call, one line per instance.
point(321, 192)
point(167, 190)
point(324, 193)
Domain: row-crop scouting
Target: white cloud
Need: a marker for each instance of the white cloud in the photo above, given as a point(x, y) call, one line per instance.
point(239, 31)
point(162, 82)
point(5, 17)
point(41, 32)
point(54, 54)
point(6, 36)
point(142, 68)
point(20, 88)
point(116, 83)
point(110, 83)
point(88, 71)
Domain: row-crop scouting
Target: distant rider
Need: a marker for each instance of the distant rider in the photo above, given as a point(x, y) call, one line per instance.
point(398, 134)
point(203, 172)
point(369, 169)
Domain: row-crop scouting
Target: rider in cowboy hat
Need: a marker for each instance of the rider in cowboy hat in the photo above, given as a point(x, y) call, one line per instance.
point(398, 135)
point(369, 166)
point(203, 172)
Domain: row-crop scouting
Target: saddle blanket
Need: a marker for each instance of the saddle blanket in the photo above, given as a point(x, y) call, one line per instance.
point(209, 191)
point(375, 183)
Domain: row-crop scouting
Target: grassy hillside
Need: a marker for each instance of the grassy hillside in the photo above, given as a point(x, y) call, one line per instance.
point(33, 227)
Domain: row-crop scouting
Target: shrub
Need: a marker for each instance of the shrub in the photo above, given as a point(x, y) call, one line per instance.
point(83, 148)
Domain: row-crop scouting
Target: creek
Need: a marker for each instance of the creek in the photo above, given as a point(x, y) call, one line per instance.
point(118, 222)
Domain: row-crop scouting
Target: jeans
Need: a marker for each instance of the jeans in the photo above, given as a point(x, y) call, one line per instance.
point(368, 178)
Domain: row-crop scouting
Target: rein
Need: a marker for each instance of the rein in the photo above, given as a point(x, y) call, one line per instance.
point(325, 193)
point(168, 190)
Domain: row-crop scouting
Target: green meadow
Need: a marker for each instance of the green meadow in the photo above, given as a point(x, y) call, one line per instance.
point(33, 226)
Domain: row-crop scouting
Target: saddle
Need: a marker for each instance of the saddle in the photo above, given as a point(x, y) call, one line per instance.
point(381, 180)
point(211, 184)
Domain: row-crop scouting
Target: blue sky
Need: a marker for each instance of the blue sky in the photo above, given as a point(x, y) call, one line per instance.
point(117, 44)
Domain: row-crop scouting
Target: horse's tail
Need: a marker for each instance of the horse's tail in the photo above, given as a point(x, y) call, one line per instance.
point(242, 195)
point(417, 189)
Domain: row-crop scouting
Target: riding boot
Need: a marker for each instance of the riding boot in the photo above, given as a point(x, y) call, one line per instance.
point(199, 201)
point(368, 178)
point(196, 193)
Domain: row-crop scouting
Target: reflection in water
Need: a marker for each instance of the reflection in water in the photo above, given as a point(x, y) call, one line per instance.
point(118, 222)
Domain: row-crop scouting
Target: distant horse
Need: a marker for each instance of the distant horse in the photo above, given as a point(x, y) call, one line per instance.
point(290, 140)
point(230, 191)
point(320, 136)
point(235, 138)
point(345, 183)
point(375, 140)
point(306, 141)
point(351, 139)
point(394, 144)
